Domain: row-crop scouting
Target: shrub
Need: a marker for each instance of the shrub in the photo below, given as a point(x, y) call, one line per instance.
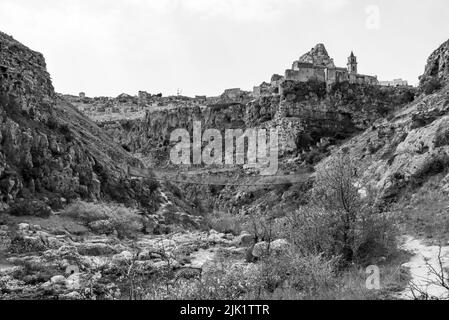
point(339, 221)
point(430, 85)
point(124, 220)
point(224, 223)
point(305, 274)
point(52, 123)
point(441, 137)
point(30, 208)
point(126, 223)
point(86, 211)
point(65, 130)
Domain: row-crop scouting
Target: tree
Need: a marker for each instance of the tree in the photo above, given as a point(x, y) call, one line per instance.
point(336, 190)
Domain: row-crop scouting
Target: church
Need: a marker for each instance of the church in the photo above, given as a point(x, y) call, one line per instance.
point(317, 65)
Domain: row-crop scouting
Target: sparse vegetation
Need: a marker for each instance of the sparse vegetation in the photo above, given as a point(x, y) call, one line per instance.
point(126, 222)
point(224, 223)
point(430, 85)
point(30, 208)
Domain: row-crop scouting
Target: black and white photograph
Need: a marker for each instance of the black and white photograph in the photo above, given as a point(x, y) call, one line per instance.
point(224, 155)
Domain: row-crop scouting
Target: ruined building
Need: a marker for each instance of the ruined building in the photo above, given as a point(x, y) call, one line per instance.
point(394, 83)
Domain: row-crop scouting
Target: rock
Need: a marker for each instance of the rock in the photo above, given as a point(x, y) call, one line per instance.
point(280, 246)
point(47, 147)
point(54, 243)
point(438, 65)
point(71, 296)
point(58, 280)
point(23, 227)
point(123, 257)
point(244, 240)
point(26, 244)
point(73, 282)
point(95, 249)
point(260, 249)
point(102, 227)
point(216, 237)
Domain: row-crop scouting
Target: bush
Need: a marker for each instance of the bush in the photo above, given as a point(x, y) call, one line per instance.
point(65, 130)
point(430, 85)
point(305, 274)
point(339, 221)
point(224, 223)
point(124, 220)
point(30, 208)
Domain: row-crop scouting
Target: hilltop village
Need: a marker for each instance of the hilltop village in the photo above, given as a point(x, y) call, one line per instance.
point(315, 65)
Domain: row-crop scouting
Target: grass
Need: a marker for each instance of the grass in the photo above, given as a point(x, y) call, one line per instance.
point(425, 214)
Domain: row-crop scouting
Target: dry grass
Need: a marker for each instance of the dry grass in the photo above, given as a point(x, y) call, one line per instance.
point(127, 222)
point(424, 214)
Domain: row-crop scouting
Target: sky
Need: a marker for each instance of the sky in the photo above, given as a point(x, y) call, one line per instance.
point(201, 47)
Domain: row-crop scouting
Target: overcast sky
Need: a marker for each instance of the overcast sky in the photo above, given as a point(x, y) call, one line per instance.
point(107, 47)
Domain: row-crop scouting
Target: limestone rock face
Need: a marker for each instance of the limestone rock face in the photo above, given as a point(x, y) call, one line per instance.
point(23, 74)
point(406, 150)
point(47, 146)
point(303, 114)
point(438, 64)
point(318, 56)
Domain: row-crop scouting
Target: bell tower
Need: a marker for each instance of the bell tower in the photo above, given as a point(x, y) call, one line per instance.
point(352, 64)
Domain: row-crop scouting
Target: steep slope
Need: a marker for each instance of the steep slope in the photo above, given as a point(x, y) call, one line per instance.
point(437, 65)
point(48, 150)
point(403, 151)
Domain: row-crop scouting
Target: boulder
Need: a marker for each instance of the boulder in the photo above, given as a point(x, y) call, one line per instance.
point(244, 240)
point(280, 246)
point(260, 249)
point(102, 227)
point(123, 257)
point(58, 280)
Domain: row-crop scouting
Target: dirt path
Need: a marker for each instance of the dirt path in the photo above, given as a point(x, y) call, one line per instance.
point(423, 267)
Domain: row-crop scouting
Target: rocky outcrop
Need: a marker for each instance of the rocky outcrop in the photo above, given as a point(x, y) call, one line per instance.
point(437, 67)
point(409, 147)
point(304, 114)
point(318, 56)
point(52, 264)
point(23, 75)
point(49, 150)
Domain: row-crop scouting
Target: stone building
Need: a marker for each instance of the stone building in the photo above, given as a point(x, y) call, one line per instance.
point(394, 83)
point(232, 94)
point(262, 90)
point(317, 65)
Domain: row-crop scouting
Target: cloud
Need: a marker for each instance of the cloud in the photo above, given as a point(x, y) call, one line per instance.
point(332, 5)
point(241, 10)
point(254, 10)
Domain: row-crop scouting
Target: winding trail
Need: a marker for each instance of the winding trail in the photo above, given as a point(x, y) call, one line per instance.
point(424, 266)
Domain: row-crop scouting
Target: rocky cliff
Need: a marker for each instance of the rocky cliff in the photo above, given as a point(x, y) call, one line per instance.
point(401, 152)
point(304, 114)
point(48, 150)
point(438, 65)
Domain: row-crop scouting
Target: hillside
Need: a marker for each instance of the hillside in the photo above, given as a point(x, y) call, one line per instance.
point(75, 225)
point(47, 147)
